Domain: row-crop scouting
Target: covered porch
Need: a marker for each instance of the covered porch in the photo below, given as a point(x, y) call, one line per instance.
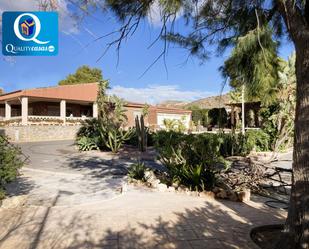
point(32, 110)
point(252, 117)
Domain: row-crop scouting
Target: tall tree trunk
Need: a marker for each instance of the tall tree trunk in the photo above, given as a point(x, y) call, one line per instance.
point(296, 234)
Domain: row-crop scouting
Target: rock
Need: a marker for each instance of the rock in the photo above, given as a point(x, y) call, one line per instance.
point(217, 190)
point(162, 187)
point(148, 184)
point(124, 188)
point(171, 189)
point(194, 193)
point(150, 176)
point(232, 196)
point(222, 194)
point(181, 189)
point(244, 195)
point(175, 185)
point(155, 183)
point(13, 202)
point(207, 194)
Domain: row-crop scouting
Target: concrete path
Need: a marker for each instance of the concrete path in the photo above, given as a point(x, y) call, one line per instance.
point(135, 220)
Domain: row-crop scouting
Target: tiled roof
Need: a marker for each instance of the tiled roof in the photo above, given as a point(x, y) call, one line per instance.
point(80, 92)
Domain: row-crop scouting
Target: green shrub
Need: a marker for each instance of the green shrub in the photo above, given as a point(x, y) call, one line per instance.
point(238, 144)
point(133, 140)
point(257, 140)
point(174, 125)
point(197, 178)
point(233, 144)
point(137, 171)
point(218, 117)
point(194, 160)
point(2, 194)
point(86, 144)
point(200, 116)
point(89, 128)
point(10, 162)
point(191, 160)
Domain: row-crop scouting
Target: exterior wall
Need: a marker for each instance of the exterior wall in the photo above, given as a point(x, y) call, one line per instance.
point(131, 113)
point(39, 132)
point(155, 117)
point(185, 118)
point(152, 116)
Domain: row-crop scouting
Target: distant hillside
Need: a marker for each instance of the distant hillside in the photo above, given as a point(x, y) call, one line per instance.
point(173, 104)
point(205, 103)
point(211, 102)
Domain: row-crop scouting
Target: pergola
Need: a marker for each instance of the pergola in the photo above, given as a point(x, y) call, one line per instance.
point(253, 107)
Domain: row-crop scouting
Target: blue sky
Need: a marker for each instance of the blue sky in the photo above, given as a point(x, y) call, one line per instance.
point(186, 82)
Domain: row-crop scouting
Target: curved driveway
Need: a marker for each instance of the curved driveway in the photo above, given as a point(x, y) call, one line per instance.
point(57, 171)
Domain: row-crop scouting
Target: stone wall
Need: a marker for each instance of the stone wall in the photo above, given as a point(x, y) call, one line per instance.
point(39, 132)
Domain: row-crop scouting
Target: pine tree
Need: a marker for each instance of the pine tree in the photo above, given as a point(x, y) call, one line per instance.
point(83, 74)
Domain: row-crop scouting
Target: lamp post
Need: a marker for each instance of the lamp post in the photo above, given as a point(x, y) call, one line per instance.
point(243, 109)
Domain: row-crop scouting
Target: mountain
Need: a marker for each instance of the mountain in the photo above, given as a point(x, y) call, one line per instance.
point(205, 103)
point(211, 102)
point(173, 104)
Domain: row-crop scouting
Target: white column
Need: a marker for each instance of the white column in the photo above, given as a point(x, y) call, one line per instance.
point(24, 110)
point(95, 110)
point(63, 110)
point(7, 110)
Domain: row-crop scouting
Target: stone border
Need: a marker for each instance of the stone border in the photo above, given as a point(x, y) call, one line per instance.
point(154, 183)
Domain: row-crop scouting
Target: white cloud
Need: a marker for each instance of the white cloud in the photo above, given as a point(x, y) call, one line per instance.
point(155, 14)
point(67, 23)
point(154, 94)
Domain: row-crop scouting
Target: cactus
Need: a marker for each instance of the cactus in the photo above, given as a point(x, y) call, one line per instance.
point(141, 132)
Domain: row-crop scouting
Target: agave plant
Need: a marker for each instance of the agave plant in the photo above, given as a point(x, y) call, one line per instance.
point(137, 171)
point(86, 144)
point(116, 138)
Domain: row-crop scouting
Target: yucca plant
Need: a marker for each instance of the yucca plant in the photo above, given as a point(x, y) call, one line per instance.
point(197, 178)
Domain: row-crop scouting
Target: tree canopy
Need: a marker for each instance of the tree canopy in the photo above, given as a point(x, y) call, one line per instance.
point(83, 74)
point(255, 64)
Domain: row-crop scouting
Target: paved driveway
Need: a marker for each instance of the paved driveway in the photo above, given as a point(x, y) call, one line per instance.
point(73, 202)
point(58, 169)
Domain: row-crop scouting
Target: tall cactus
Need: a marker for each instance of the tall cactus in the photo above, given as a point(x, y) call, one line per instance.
point(141, 132)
